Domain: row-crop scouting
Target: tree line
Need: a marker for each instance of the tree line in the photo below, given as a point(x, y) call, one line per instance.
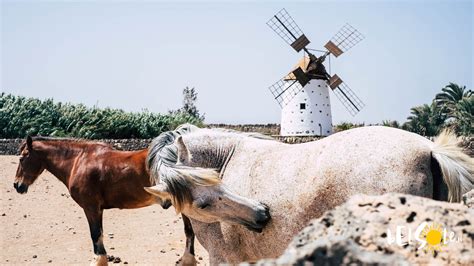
point(21, 116)
point(452, 108)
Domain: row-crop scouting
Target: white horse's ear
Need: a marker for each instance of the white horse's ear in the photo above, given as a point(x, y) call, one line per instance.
point(159, 190)
point(183, 152)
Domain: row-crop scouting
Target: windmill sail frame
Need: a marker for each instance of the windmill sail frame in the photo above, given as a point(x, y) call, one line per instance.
point(346, 38)
point(285, 26)
point(348, 98)
point(284, 90)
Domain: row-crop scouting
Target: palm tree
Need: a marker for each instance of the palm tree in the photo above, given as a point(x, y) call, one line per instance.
point(456, 102)
point(450, 96)
point(464, 116)
point(391, 123)
point(425, 120)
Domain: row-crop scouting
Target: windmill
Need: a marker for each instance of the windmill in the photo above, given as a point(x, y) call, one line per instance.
point(303, 94)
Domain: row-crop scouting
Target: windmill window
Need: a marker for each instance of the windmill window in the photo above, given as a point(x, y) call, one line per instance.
point(319, 85)
point(320, 111)
point(302, 120)
point(302, 106)
point(312, 91)
point(310, 112)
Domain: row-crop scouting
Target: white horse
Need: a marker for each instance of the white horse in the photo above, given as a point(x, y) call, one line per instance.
point(222, 180)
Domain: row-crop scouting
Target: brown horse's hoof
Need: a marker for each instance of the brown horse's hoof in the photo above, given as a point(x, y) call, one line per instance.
point(100, 261)
point(187, 260)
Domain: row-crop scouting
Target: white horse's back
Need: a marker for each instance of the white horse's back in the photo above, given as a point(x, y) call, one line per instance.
point(300, 182)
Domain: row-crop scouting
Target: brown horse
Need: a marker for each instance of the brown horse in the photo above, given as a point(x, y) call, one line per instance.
point(97, 177)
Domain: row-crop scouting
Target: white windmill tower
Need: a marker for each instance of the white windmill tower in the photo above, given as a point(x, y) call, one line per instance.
point(303, 94)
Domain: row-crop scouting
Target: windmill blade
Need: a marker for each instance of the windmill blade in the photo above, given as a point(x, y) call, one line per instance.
point(346, 96)
point(285, 90)
point(284, 25)
point(345, 39)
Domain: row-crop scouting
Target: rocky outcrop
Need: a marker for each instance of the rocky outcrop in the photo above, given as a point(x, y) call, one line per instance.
point(363, 231)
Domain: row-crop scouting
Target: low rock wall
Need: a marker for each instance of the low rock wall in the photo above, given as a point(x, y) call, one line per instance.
point(12, 146)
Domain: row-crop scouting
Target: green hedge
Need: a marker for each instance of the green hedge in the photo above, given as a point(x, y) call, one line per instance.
point(21, 116)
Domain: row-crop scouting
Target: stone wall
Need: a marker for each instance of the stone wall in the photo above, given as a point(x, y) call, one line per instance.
point(9, 146)
point(267, 129)
point(12, 146)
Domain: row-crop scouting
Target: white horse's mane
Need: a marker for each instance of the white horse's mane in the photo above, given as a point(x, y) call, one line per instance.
point(162, 163)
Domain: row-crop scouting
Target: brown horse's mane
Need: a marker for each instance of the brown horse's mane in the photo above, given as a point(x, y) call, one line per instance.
point(43, 138)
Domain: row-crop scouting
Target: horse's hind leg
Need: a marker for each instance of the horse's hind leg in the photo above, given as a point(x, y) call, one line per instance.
point(94, 217)
point(188, 256)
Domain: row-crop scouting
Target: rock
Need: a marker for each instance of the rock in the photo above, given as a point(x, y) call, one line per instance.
point(363, 232)
point(110, 258)
point(35, 256)
point(117, 260)
point(468, 199)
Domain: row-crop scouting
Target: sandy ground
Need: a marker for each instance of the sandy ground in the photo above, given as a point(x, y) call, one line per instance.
point(45, 226)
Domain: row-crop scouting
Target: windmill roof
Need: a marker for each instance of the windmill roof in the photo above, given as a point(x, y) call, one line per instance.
point(303, 63)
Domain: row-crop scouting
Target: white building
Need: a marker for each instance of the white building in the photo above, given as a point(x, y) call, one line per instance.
point(309, 112)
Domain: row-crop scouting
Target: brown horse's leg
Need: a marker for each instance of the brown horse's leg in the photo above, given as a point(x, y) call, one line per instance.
point(188, 256)
point(94, 217)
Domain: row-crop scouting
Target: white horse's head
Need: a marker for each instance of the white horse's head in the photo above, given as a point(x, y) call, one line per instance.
point(198, 192)
point(212, 203)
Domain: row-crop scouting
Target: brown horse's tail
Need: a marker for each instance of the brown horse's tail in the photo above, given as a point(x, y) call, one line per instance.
point(456, 167)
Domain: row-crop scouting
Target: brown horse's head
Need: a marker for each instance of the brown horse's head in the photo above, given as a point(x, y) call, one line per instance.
point(29, 168)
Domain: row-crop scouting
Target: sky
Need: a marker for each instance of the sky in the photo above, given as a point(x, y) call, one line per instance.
point(137, 55)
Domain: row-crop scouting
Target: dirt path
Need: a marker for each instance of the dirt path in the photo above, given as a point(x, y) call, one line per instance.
point(46, 226)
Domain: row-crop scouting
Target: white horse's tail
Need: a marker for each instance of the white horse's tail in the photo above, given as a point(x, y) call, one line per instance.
point(457, 167)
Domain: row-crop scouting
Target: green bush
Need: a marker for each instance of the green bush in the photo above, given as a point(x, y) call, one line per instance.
point(21, 116)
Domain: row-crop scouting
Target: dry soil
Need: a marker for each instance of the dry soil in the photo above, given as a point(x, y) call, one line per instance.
point(46, 226)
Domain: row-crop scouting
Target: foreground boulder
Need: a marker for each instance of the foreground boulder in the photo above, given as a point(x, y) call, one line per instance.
point(363, 231)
